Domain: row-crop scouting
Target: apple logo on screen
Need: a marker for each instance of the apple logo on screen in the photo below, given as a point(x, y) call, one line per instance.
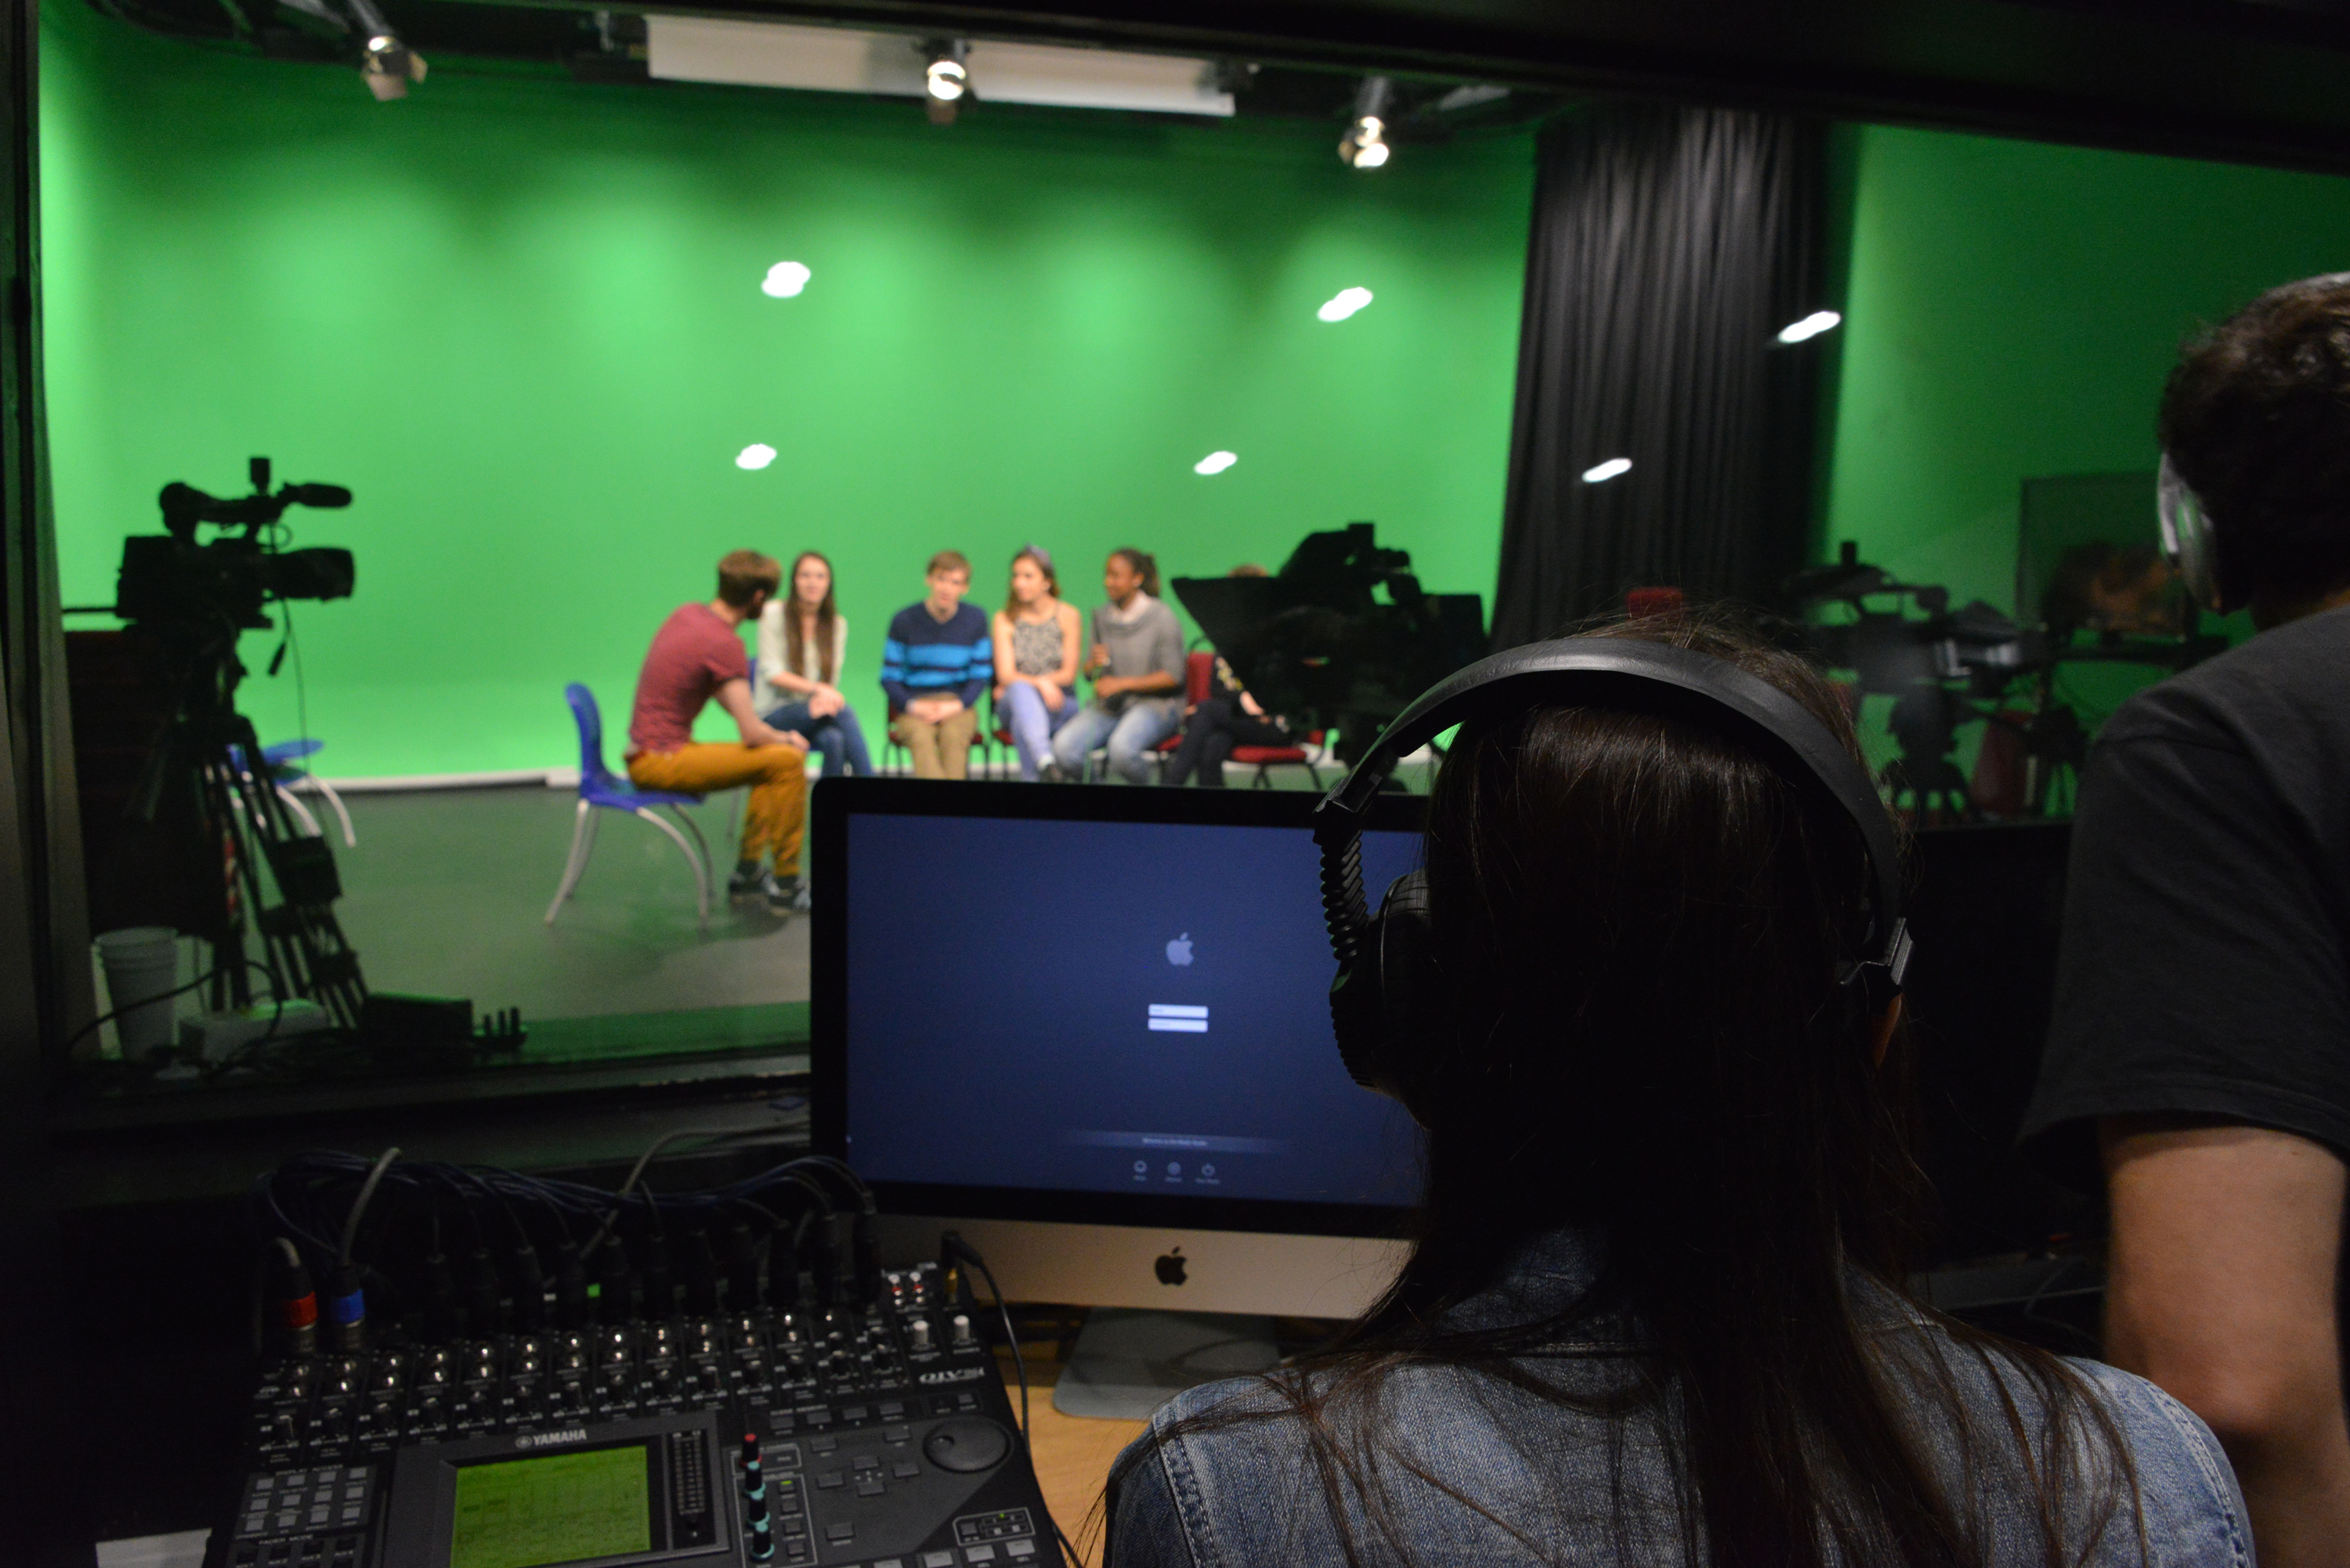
point(1170, 1267)
point(1179, 952)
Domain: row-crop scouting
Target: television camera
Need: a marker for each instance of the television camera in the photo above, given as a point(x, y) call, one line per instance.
point(173, 578)
point(1946, 667)
point(1342, 638)
point(1938, 665)
point(205, 820)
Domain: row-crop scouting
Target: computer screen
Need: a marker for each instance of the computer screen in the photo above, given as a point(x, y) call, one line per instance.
point(1106, 1005)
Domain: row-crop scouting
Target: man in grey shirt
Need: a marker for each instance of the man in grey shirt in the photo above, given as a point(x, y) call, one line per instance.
point(1137, 665)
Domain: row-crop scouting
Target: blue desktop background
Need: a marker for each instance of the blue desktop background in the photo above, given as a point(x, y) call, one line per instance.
point(1001, 974)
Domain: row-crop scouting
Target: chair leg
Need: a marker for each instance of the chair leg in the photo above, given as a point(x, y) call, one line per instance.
point(301, 813)
point(1313, 773)
point(1263, 779)
point(583, 839)
point(342, 813)
point(701, 876)
point(709, 872)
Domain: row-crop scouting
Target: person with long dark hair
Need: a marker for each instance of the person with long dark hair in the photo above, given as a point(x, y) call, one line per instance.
point(1038, 636)
point(802, 641)
point(1654, 1312)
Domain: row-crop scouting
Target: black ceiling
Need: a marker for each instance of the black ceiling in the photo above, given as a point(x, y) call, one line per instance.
point(2251, 80)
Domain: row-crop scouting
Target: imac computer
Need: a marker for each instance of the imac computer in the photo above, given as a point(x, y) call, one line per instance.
point(1089, 1028)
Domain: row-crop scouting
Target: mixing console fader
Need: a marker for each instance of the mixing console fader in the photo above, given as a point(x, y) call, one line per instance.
point(880, 1436)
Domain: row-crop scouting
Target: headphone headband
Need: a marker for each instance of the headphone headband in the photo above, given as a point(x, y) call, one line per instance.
point(1608, 671)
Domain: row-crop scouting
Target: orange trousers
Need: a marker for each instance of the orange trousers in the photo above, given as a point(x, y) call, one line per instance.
point(777, 816)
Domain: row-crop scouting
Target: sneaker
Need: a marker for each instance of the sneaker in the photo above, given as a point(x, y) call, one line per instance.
point(746, 884)
point(1051, 773)
point(786, 895)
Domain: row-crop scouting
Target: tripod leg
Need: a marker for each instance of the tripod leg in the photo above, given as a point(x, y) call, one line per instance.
point(583, 839)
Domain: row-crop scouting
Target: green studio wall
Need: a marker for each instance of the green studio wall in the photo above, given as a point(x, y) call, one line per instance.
point(522, 318)
point(2013, 309)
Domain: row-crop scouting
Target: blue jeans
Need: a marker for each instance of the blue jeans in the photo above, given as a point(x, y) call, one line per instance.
point(1034, 725)
point(836, 735)
point(1129, 735)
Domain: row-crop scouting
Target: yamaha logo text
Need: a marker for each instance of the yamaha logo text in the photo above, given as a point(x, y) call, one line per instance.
point(548, 1439)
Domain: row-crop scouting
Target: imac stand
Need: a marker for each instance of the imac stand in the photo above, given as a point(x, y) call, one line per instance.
point(1127, 1362)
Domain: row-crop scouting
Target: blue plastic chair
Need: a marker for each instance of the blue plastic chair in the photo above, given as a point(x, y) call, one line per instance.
point(600, 788)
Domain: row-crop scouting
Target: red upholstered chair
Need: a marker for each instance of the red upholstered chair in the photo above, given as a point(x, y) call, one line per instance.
point(1199, 680)
point(1264, 757)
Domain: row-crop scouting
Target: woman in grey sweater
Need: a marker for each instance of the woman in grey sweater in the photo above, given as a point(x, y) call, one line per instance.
point(1137, 665)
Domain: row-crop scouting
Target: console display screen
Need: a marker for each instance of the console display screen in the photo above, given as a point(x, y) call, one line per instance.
point(1106, 1007)
point(551, 1509)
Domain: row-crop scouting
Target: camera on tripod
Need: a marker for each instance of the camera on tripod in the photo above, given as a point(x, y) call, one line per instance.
point(171, 578)
point(1343, 637)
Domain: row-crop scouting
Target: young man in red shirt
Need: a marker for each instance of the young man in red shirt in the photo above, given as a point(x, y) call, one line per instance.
point(697, 655)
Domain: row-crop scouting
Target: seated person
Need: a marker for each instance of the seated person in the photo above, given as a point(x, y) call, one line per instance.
point(1037, 638)
point(696, 656)
point(801, 641)
point(1227, 717)
point(937, 660)
point(1137, 664)
point(1656, 1311)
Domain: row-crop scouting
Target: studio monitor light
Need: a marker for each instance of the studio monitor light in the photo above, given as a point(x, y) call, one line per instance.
point(1364, 145)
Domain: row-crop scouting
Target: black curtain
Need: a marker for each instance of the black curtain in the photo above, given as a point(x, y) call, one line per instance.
point(1670, 247)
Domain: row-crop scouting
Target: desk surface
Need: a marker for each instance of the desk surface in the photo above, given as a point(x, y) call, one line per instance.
point(1073, 1455)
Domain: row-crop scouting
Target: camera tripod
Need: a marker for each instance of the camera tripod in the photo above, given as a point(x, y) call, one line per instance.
point(213, 821)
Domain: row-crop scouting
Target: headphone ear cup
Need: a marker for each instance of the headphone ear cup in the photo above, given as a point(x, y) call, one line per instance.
point(1381, 1004)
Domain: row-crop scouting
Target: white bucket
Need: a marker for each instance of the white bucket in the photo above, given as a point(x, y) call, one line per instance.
point(142, 964)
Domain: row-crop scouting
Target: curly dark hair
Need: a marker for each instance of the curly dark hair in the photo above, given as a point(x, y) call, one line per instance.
point(2256, 419)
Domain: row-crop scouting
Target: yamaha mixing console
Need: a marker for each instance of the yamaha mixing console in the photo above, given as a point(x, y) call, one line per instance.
point(873, 1431)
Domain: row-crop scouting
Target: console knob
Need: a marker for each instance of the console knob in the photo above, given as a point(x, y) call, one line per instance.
point(961, 1324)
point(966, 1444)
point(920, 1333)
point(754, 1501)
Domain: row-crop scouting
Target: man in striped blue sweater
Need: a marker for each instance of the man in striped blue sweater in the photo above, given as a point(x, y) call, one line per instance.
point(936, 661)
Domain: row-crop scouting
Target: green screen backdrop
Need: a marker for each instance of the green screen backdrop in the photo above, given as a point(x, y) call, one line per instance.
point(523, 319)
point(2013, 309)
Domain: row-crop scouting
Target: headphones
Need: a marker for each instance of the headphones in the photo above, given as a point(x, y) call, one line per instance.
point(1381, 1002)
point(2190, 542)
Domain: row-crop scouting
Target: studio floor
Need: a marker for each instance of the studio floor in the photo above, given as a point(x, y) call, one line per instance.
point(447, 893)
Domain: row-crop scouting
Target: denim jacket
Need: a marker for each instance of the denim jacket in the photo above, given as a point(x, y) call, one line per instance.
point(1570, 1487)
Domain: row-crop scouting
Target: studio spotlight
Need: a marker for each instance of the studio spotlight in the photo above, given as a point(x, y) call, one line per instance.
point(946, 77)
point(389, 64)
point(1810, 326)
point(1364, 145)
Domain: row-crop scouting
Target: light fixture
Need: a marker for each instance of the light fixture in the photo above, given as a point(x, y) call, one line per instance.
point(1601, 472)
point(388, 65)
point(785, 280)
point(1811, 325)
point(1215, 462)
point(1364, 145)
point(1343, 304)
point(946, 76)
point(755, 456)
